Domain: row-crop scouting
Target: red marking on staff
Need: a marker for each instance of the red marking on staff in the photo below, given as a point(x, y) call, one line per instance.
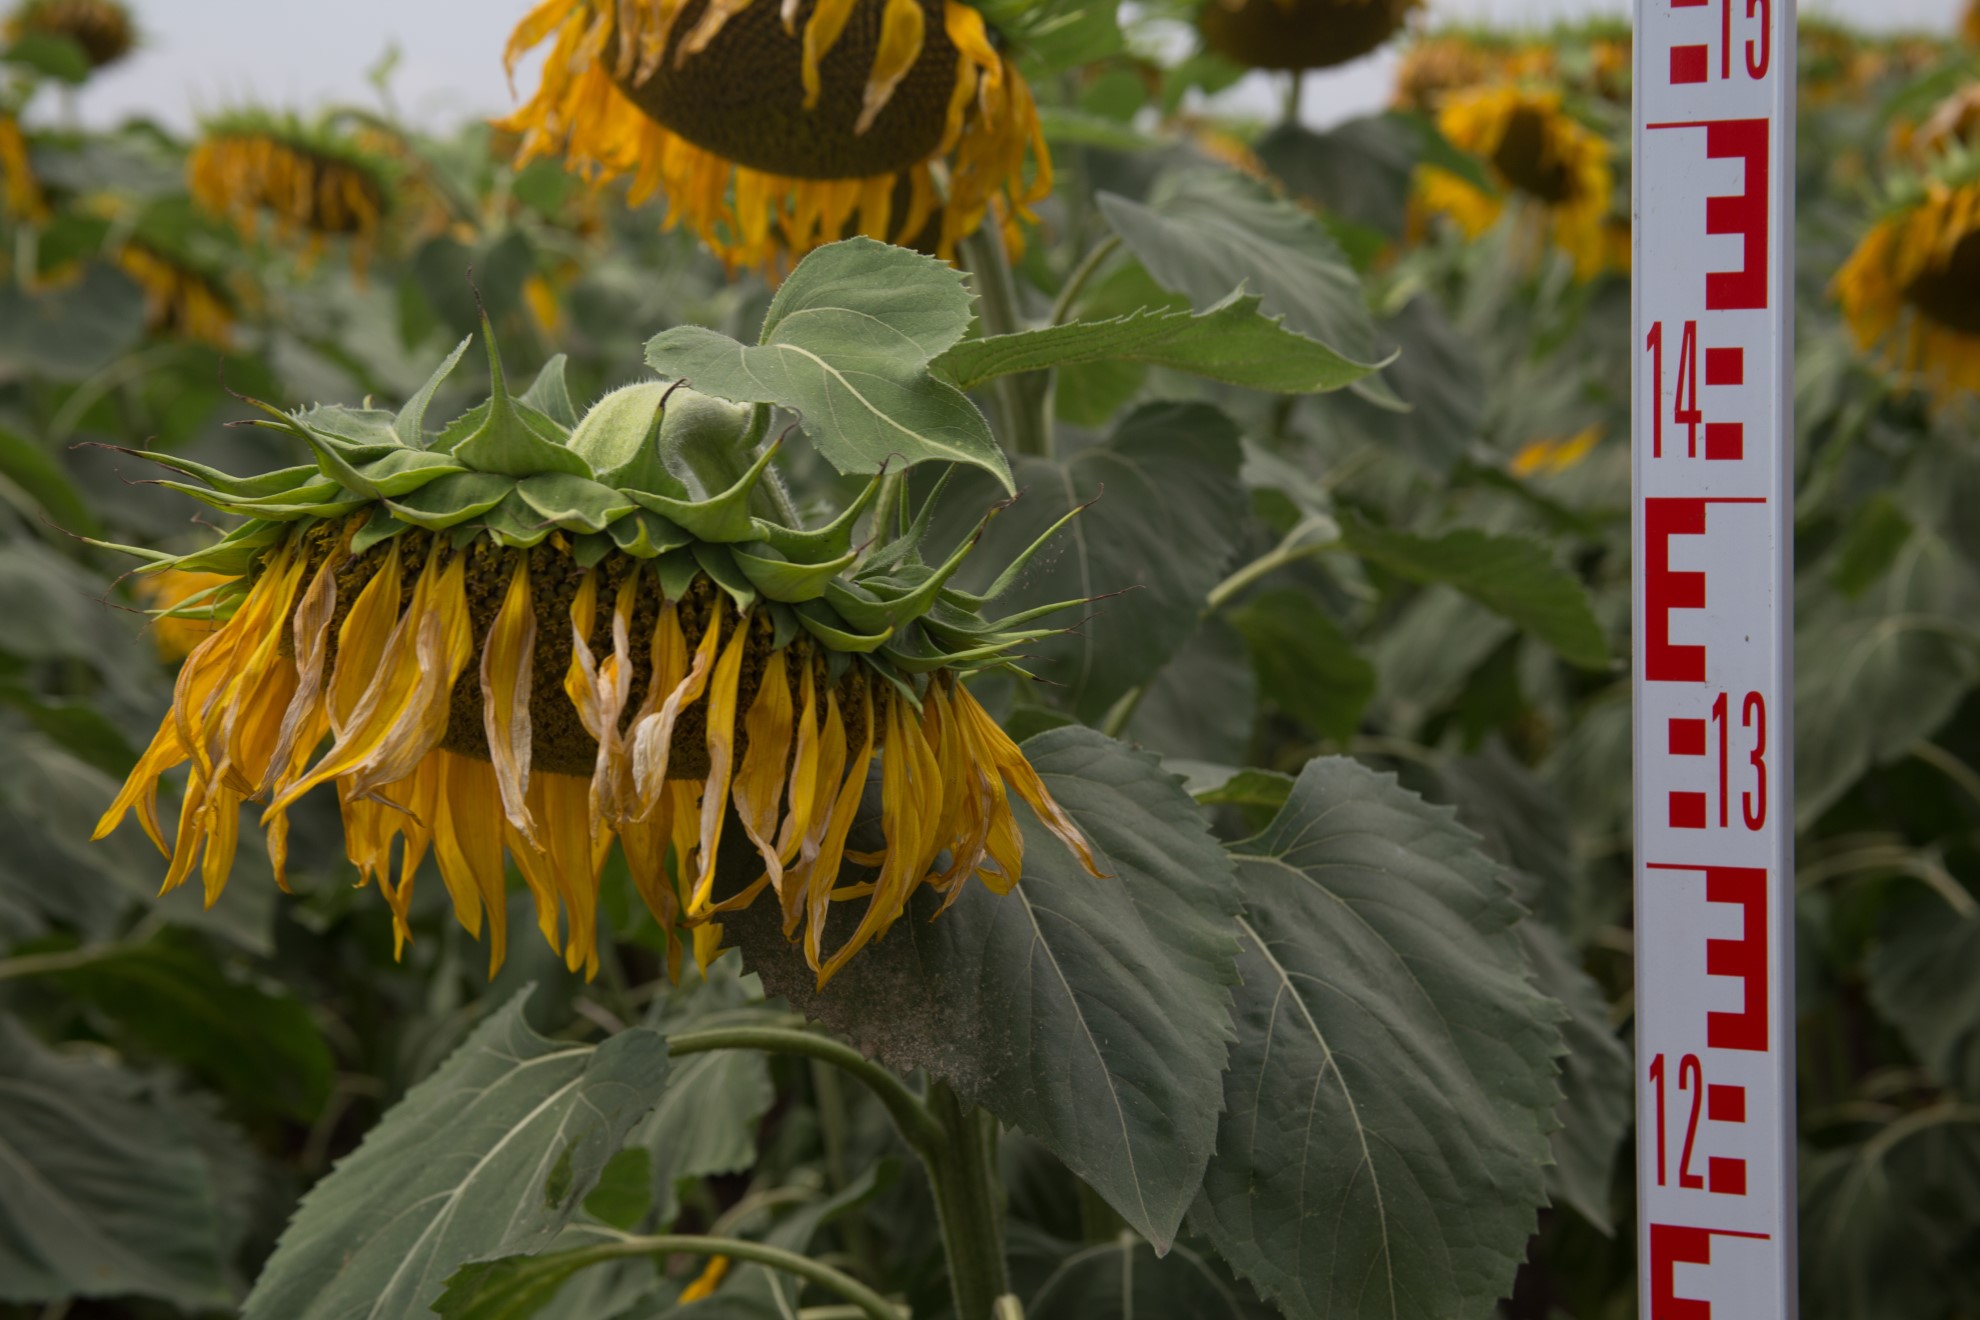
point(1690, 64)
point(1687, 811)
point(1725, 1104)
point(1687, 737)
point(1665, 590)
point(1726, 1177)
point(1743, 214)
point(1724, 441)
point(1672, 1245)
point(1744, 958)
point(1725, 366)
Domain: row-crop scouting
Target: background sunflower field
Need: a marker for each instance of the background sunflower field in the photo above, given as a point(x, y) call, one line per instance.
point(1322, 439)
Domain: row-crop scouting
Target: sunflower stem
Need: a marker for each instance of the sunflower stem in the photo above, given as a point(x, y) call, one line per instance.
point(1021, 400)
point(871, 1304)
point(917, 1124)
point(970, 1198)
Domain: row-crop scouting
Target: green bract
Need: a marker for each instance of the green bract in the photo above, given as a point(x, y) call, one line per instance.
point(653, 470)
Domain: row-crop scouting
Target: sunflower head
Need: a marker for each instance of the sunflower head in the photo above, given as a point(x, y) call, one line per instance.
point(1952, 125)
point(773, 128)
point(538, 634)
point(182, 300)
point(1911, 289)
point(310, 183)
point(1299, 34)
point(102, 28)
point(1544, 160)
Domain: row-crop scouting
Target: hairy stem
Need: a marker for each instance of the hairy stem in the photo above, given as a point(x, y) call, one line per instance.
point(910, 1115)
point(871, 1304)
point(1020, 399)
point(970, 1199)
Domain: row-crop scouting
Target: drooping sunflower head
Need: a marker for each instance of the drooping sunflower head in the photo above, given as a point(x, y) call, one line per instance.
point(535, 635)
point(773, 128)
point(1545, 161)
point(181, 300)
point(309, 183)
point(1912, 286)
point(1951, 125)
point(1300, 34)
point(102, 28)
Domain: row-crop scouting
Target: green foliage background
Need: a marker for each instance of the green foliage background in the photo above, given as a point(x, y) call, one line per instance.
point(1347, 1037)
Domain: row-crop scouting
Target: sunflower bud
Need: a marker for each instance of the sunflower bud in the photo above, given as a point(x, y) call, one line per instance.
point(539, 635)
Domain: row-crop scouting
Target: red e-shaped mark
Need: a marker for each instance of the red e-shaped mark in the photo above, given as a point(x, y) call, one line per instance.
point(1745, 957)
point(1665, 590)
point(1672, 1245)
point(1744, 214)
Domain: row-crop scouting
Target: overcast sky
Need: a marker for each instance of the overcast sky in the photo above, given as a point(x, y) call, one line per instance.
point(211, 54)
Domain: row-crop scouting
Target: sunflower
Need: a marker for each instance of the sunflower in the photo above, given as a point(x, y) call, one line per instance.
point(1540, 156)
point(20, 191)
point(541, 635)
point(102, 28)
point(179, 300)
point(1952, 125)
point(1969, 23)
point(311, 183)
point(1299, 34)
point(772, 128)
point(1913, 283)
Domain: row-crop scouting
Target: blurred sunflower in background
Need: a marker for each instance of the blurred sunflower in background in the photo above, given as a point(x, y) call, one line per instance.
point(1296, 35)
point(1912, 286)
point(102, 28)
point(20, 191)
point(183, 609)
point(772, 128)
point(1969, 23)
point(311, 184)
point(1544, 161)
point(539, 634)
point(1953, 124)
point(181, 300)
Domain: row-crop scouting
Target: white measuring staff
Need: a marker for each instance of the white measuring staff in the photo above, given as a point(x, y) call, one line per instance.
point(1712, 504)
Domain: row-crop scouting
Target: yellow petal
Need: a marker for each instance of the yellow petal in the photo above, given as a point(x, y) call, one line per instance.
point(467, 845)
point(653, 736)
point(759, 785)
point(721, 759)
point(993, 743)
point(828, 22)
point(507, 657)
point(901, 33)
point(823, 870)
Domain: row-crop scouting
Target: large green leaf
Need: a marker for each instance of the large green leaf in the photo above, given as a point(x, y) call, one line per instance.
point(1091, 1013)
point(1203, 703)
point(1364, 170)
point(846, 345)
point(1232, 342)
point(73, 330)
point(1598, 1103)
point(50, 873)
point(1207, 233)
point(103, 1192)
point(489, 1155)
point(1306, 665)
point(1511, 575)
point(1389, 1101)
point(1437, 373)
point(1166, 508)
point(1875, 675)
point(1922, 979)
point(1889, 1225)
point(706, 1120)
point(174, 997)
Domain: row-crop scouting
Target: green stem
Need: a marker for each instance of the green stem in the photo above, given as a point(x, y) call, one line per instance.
point(969, 1197)
point(1289, 551)
point(69, 960)
point(914, 1119)
point(1020, 399)
point(834, 1124)
point(871, 1304)
point(1089, 265)
point(1294, 88)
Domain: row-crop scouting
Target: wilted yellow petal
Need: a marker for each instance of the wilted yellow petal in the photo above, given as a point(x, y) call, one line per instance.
point(508, 656)
point(902, 29)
